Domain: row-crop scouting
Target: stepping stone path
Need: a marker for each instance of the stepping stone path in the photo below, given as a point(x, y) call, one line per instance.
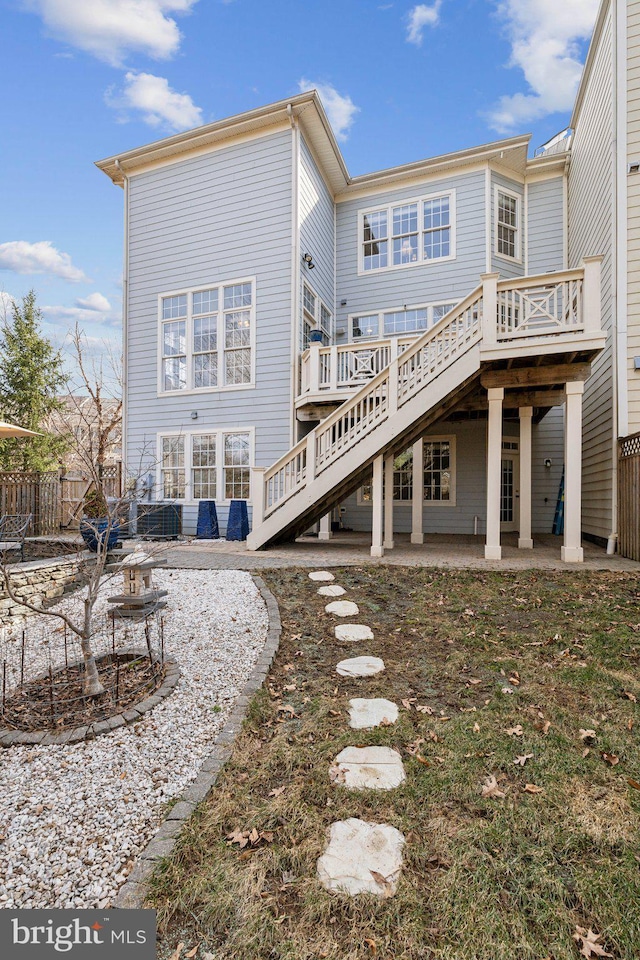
point(343, 608)
point(360, 667)
point(361, 858)
point(368, 768)
point(333, 590)
point(366, 714)
point(353, 632)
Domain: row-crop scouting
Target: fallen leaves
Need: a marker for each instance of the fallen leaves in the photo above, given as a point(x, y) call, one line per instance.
point(543, 727)
point(610, 758)
point(251, 837)
point(630, 696)
point(521, 760)
point(370, 942)
point(490, 788)
point(383, 882)
point(588, 736)
point(590, 946)
point(633, 783)
point(532, 788)
point(516, 731)
point(277, 791)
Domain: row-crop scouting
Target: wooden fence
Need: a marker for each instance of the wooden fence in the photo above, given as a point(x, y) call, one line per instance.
point(54, 500)
point(629, 497)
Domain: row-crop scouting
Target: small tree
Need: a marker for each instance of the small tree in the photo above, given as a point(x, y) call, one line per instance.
point(31, 379)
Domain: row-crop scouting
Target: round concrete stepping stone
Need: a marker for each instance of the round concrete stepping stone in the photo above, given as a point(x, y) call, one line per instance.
point(320, 575)
point(343, 608)
point(365, 714)
point(333, 590)
point(353, 632)
point(361, 857)
point(368, 768)
point(360, 667)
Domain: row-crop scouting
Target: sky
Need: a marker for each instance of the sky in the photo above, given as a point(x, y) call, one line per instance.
point(84, 79)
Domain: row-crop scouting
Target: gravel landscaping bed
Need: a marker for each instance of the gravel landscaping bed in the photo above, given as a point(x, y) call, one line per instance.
point(73, 818)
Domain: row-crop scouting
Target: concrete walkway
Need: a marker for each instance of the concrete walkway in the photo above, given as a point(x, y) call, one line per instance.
point(352, 549)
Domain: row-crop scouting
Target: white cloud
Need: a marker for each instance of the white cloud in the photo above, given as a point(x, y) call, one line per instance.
point(341, 110)
point(419, 17)
point(546, 37)
point(6, 303)
point(159, 104)
point(109, 29)
point(70, 315)
point(95, 301)
point(41, 257)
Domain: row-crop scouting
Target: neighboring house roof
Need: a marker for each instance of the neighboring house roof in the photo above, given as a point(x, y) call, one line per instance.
point(307, 109)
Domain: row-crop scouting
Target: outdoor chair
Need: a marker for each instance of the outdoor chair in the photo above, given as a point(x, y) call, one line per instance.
point(13, 531)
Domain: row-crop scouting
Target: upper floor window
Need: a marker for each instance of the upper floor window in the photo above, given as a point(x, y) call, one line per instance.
point(507, 224)
point(315, 316)
point(206, 338)
point(410, 233)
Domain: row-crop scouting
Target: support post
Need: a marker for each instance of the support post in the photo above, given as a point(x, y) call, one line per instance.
point(388, 504)
point(417, 499)
point(489, 309)
point(377, 548)
point(257, 496)
point(492, 549)
point(525, 541)
point(572, 549)
point(324, 531)
point(314, 367)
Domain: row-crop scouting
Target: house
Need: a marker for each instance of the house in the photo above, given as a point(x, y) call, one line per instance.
point(445, 346)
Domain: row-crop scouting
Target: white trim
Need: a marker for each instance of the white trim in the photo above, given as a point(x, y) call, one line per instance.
point(497, 189)
point(453, 467)
point(565, 221)
point(294, 385)
point(317, 314)
point(397, 309)
point(204, 431)
point(488, 220)
point(525, 228)
point(125, 325)
point(220, 339)
point(403, 202)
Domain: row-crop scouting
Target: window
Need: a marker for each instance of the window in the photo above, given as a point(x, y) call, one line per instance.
point(403, 321)
point(206, 466)
point(315, 316)
point(439, 474)
point(207, 338)
point(411, 233)
point(507, 225)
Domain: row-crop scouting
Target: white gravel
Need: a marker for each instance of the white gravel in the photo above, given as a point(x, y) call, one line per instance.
point(73, 818)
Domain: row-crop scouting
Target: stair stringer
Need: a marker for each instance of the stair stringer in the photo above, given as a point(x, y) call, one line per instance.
point(382, 438)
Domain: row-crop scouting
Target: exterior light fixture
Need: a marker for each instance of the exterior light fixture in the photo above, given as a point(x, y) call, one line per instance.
point(308, 259)
point(194, 414)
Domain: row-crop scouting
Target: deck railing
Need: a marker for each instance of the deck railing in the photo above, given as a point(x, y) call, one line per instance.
point(498, 313)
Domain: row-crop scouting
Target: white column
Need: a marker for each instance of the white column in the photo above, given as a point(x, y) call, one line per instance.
point(572, 550)
point(388, 504)
point(324, 531)
point(489, 309)
point(417, 500)
point(525, 541)
point(492, 549)
point(377, 549)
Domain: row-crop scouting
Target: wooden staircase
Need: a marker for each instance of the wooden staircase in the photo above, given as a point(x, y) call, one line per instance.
point(528, 320)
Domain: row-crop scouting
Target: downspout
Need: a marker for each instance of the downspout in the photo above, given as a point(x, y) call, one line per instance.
point(125, 308)
point(295, 266)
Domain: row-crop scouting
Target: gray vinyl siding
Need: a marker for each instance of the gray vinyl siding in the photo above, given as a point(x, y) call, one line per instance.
point(503, 265)
point(590, 233)
point(206, 220)
point(633, 221)
point(545, 226)
point(547, 444)
point(317, 230)
point(431, 282)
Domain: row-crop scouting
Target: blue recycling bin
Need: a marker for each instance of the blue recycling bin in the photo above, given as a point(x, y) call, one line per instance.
point(207, 528)
point(238, 522)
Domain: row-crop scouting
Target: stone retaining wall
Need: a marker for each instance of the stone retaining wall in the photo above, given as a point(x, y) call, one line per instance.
point(45, 579)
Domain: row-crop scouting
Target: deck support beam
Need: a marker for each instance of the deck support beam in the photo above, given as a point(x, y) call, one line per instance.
point(377, 507)
point(492, 549)
point(324, 531)
point(525, 541)
point(388, 543)
point(572, 549)
point(417, 498)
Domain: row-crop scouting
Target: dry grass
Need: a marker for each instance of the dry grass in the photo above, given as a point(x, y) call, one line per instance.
point(483, 878)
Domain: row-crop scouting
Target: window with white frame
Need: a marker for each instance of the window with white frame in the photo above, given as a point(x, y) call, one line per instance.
point(206, 466)
point(397, 322)
point(206, 337)
point(315, 316)
point(507, 224)
point(409, 233)
point(439, 474)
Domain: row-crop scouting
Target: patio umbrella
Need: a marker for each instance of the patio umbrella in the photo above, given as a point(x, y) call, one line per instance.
point(11, 430)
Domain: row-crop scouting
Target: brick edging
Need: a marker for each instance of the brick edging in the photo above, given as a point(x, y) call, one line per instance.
point(133, 892)
point(17, 738)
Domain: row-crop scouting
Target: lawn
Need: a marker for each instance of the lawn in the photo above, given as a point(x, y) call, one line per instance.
point(518, 730)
